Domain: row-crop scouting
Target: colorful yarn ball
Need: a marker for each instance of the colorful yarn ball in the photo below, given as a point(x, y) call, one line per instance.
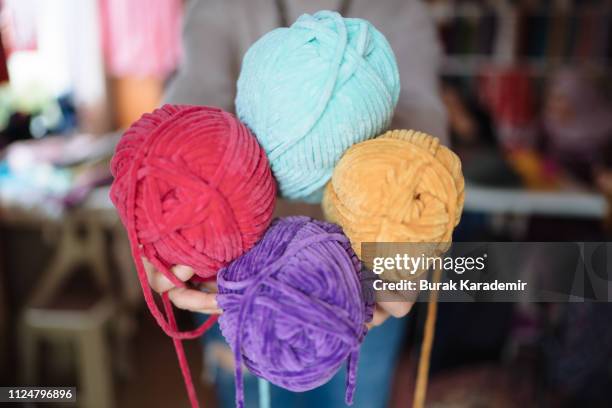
point(193, 187)
point(293, 306)
point(311, 91)
point(403, 186)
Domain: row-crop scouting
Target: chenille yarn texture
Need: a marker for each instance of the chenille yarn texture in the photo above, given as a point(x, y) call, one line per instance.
point(293, 306)
point(312, 90)
point(192, 187)
point(403, 186)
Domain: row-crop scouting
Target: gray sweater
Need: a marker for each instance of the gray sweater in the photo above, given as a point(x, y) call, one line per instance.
point(217, 33)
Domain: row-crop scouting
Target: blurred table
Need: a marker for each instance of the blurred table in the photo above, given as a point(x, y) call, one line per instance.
point(571, 204)
point(97, 204)
point(15, 218)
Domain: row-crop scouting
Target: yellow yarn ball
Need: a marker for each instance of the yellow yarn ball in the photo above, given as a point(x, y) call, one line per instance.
point(403, 186)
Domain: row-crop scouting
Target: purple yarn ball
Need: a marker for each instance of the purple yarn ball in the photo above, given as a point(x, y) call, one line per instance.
point(293, 306)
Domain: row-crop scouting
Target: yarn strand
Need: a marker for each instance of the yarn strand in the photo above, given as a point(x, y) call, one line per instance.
point(180, 354)
point(351, 376)
point(420, 390)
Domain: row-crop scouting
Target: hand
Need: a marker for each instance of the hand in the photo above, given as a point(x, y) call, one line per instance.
point(386, 309)
point(184, 298)
point(202, 302)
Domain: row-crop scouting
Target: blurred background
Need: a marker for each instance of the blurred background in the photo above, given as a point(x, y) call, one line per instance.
point(527, 89)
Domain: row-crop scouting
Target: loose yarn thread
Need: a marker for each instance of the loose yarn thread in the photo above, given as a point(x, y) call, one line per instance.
point(300, 288)
point(311, 91)
point(192, 187)
point(420, 389)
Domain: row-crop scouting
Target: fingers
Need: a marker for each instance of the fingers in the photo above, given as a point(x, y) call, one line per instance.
point(380, 315)
point(396, 309)
point(183, 298)
point(384, 310)
point(194, 300)
point(159, 283)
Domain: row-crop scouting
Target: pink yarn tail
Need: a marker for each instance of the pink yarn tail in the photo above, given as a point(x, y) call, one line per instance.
point(168, 323)
point(180, 351)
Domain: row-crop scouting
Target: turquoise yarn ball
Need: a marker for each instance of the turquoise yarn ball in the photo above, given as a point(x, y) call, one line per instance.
point(310, 91)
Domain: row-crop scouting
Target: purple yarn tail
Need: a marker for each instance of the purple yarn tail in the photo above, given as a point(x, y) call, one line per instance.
point(351, 377)
point(239, 379)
